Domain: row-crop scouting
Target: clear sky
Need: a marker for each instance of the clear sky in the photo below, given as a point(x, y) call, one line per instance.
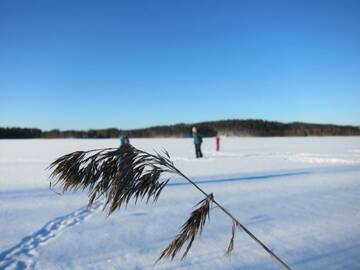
point(129, 64)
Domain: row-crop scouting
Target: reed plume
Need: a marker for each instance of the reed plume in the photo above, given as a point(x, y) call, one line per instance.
point(120, 175)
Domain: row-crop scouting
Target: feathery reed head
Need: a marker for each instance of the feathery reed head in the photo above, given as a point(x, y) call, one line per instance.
point(235, 225)
point(125, 173)
point(118, 174)
point(194, 225)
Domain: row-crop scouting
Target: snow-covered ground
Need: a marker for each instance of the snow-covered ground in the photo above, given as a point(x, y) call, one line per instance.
point(301, 196)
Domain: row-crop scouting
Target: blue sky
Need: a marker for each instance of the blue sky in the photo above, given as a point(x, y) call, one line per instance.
point(129, 64)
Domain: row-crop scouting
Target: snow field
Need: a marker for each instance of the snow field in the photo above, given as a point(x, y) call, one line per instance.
point(298, 195)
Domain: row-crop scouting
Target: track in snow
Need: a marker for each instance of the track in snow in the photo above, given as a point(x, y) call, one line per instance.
point(22, 255)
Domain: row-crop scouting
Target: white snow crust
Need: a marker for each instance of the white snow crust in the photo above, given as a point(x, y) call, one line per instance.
point(300, 196)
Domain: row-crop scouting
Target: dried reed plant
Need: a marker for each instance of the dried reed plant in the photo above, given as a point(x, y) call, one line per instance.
point(122, 174)
point(194, 225)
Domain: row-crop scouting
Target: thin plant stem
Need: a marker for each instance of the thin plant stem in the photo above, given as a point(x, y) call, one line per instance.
point(272, 254)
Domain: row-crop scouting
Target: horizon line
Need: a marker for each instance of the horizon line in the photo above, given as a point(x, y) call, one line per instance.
point(187, 123)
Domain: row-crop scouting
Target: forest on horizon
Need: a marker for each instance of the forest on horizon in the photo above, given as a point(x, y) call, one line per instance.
point(254, 128)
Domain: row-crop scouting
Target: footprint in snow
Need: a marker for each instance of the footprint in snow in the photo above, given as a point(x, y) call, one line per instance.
point(22, 255)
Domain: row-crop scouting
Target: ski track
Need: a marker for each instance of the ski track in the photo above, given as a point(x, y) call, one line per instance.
point(303, 157)
point(23, 255)
point(237, 179)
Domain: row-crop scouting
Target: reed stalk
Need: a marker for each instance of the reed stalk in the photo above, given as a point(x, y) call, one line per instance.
point(120, 175)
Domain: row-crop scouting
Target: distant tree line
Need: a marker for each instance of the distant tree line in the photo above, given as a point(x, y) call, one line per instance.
point(20, 133)
point(256, 128)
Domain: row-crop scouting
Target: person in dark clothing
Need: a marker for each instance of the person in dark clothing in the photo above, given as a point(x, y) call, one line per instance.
point(197, 142)
point(125, 147)
point(124, 140)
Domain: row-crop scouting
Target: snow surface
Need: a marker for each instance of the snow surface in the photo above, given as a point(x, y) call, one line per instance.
point(298, 195)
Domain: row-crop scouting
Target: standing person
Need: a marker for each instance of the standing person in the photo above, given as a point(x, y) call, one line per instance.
point(124, 140)
point(217, 142)
point(197, 142)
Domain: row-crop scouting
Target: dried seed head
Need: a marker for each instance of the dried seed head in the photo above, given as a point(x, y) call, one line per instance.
point(125, 173)
point(235, 225)
point(193, 226)
point(118, 174)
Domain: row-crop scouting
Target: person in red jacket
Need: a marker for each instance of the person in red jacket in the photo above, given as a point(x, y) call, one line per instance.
point(217, 142)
